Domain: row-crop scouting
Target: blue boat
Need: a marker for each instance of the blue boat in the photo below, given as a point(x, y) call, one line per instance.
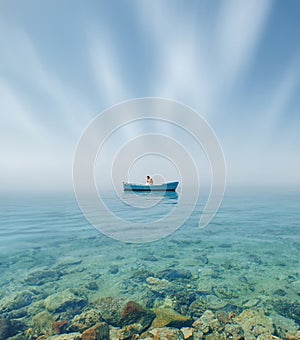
point(160, 187)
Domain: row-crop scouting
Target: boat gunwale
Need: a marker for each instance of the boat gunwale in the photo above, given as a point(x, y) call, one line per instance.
point(169, 186)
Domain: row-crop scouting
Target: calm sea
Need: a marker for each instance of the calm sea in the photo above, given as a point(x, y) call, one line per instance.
point(247, 257)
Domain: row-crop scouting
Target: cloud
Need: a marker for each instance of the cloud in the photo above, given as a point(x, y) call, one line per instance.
point(239, 29)
point(284, 92)
point(25, 66)
point(106, 66)
point(198, 64)
point(41, 116)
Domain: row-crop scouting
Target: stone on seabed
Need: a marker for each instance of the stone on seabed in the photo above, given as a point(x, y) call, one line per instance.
point(119, 313)
point(158, 285)
point(187, 332)
point(70, 336)
point(207, 323)
point(16, 301)
point(4, 329)
point(165, 333)
point(59, 302)
point(130, 330)
point(85, 320)
point(169, 317)
point(267, 337)
point(254, 322)
point(98, 332)
point(41, 323)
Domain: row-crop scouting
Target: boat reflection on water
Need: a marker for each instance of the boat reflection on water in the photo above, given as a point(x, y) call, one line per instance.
point(155, 194)
point(148, 199)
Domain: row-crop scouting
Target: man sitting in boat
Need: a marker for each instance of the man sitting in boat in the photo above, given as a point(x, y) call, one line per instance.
point(149, 181)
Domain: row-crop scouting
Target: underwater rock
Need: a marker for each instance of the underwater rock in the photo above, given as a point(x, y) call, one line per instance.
point(151, 258)
point(68, 261)
point(114, 333)
point(216, 336)
point(59, 327)
point(62, 301)
point(201, 260)
point(284, 327)
point(134, 313)
point(141, 275)
point(70, 336)
point(280, 292)
point(165, 333)
point(113, 269)
point(206, 302)
point(5, 329)
point(110, 309)
point(161, 286)
point(205, 286)
point(208, 323)
point(166, 302)
point(224, 317)
point(289, 309)
point(233, 331)
point(251, 303)
point(98, 332)
point(41, 324)
point(254, 322)
point(183, 298)
point(187, 332)
point(9, 328)
point(169, 317)
point(267, 337)
point(130, 330)
point(85, 320)
point(119, 313)
point(255, 259)
point(41, 276)
point(225, 292)
point(91, 285)
point(172, 274)
point(293, 336)
point(295, 285)
point(16, 301)
point(19, 336)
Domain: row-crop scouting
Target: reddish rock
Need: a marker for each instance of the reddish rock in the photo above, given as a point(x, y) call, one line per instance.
point(133, 313)
point(130, 308)
point(98, 332)
point(59, 327)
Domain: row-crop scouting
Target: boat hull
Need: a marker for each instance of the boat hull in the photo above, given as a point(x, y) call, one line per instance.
point(161, 187)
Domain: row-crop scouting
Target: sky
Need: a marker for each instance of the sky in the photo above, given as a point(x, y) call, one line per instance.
point(237, 63)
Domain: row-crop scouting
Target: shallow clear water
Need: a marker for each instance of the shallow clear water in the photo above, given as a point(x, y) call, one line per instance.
point(247, 257)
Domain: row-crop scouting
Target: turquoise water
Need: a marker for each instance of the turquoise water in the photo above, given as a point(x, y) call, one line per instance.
point(247, 257)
